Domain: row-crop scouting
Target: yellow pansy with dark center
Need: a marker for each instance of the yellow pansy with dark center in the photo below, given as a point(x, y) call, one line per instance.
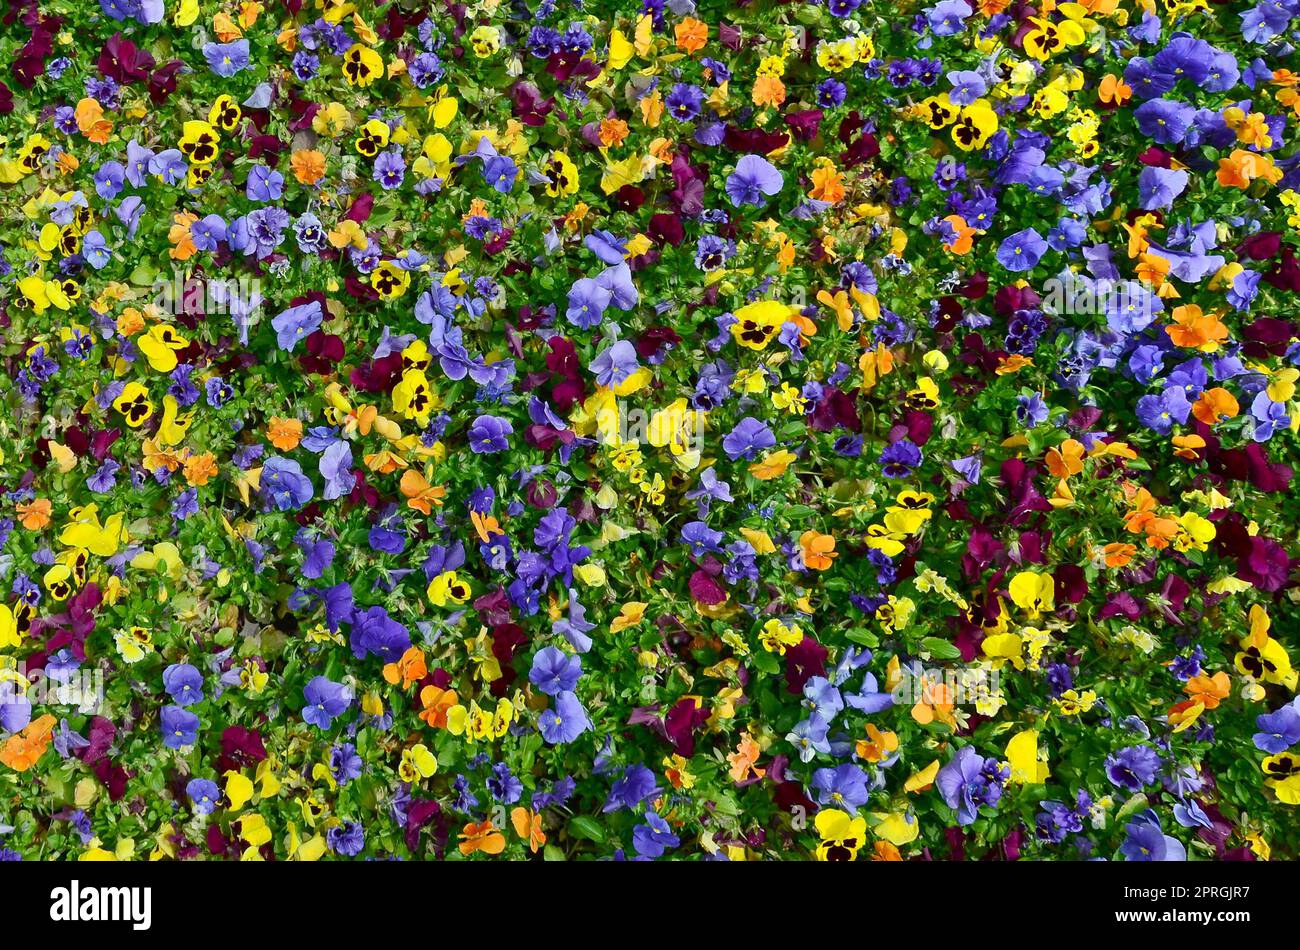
point(562, 174)
point(914, 501)
point(372, 138)
point(390, 280)
point(58, 581)
point(24, 614)
point(966, 133)
point(77, 565)
point(30, 158)
point(919, 400)
point(225, 113)
point(68, 241)
point(199, 142)
point(938, 113)
point(1281, 766)
point(134, 404)
point(1253, 663)
point(361, 65)
point(1049, 41)
point(416, 356)
point(204, 150)
point(756, 334)
point(367, 145)
point(168, 336)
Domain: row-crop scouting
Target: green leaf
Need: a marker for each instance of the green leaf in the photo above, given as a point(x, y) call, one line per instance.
point(580, 826)
point(940, 649)
point(863, 637)
point(1134, 804)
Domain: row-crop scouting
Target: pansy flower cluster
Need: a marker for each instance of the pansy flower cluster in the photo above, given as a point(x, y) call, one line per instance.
point(656, 429)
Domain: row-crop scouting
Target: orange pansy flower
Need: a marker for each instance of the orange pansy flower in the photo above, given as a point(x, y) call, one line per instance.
point(1194, 330)
point(1012, 364)
point(1119, 553)
point(420, 495)
point(691, 34)
point(1209, 690)
point(308, 166)
point(409, 668)
point(34, 515)
point(965, 235)
point(875, 365)
point(91, 121)
point(179, 235)
point(485, 526)
point(818, 549)
point(1188, 446)
point(482, 837)
point(1215, 404)
point(936, 703)
point(1158, 529)
point(1240, 168)
point(768, 91)
point(528, 825)
point(744, 759)
point(878, 745)
point(437, 703)
point(884, 851)
point(22, 750)
point(285, 434)
point(612, 132)
point(827, 184)
point(771, 466)
point(1114, 91)
point(1066, 459)
point(199, 469)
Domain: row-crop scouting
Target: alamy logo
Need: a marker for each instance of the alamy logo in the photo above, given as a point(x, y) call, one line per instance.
point(194, 294)
point(77, 903)
point(82, 687)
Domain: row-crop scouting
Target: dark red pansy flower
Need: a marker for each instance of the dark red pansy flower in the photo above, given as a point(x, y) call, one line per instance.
point(1261, 246)
point(680, 724)
point(804, 123)
point(324, 350)
point(241, 747)
point(835, 409)
point(667, 228)
point(1286, 275)
point(802, 662)
point(162, 81)
point(493, 608)
point(1121, 604)
point(421, 812)
point(755, 141)
point(1070, 583)
point(123, 61)
point(529, 105)
point(100, 733)
point(705, 589)
point(377, 376)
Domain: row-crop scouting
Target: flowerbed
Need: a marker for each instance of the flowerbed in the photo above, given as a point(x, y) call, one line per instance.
point(832, 431)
